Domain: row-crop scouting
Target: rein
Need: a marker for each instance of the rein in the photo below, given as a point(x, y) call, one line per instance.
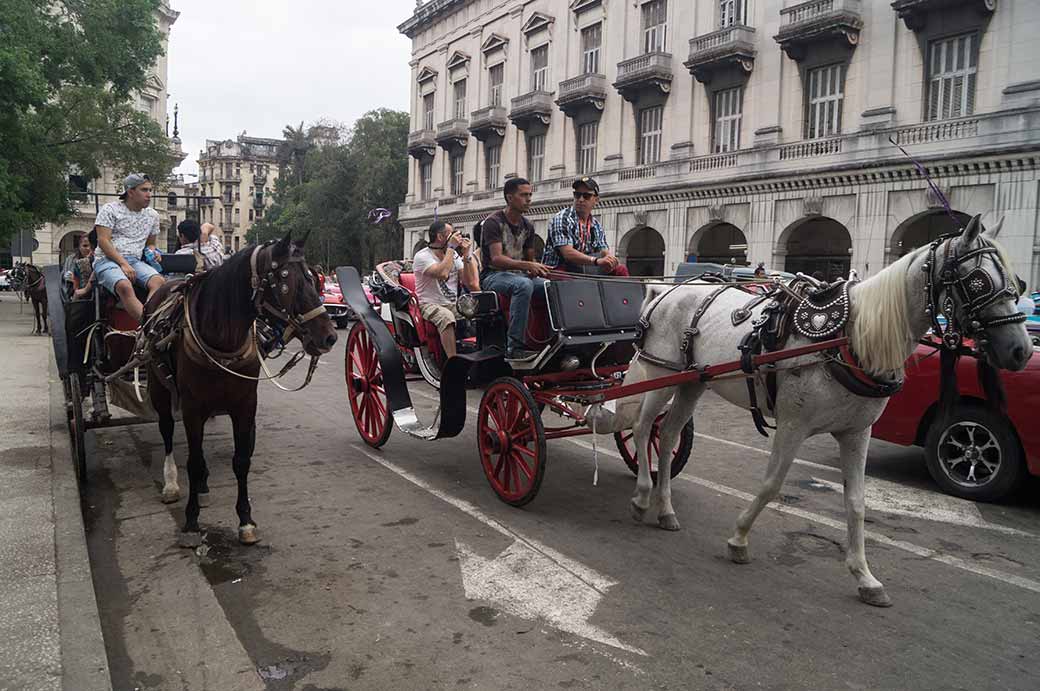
point(262, 306)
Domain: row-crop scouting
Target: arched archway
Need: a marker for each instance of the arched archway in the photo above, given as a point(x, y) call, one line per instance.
point(642, 251)
point(921, 229)
point(817, 244)
point(719, 243)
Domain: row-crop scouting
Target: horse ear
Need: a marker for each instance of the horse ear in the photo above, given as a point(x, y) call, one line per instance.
point(284, 246)
point(993, 232)
point(971, 232)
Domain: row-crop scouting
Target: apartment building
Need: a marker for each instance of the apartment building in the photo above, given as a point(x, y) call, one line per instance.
point(734, 131)
point(236, 179)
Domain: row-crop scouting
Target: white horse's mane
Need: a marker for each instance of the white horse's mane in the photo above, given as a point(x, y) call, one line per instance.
point(880, 330)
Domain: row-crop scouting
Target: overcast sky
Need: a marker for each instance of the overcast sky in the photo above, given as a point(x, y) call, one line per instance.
point(258, 65)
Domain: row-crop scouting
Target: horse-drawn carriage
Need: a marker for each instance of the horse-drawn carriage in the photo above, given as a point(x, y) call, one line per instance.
point(94, 342)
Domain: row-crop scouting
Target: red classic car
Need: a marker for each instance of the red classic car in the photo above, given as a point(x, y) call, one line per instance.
point(979, 454)
point(338, 309)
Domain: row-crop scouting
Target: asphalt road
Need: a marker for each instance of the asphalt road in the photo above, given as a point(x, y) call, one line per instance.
point(400, 569)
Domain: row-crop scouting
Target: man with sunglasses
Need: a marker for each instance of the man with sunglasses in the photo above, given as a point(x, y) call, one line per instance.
point(124, 229)
point(577, 243)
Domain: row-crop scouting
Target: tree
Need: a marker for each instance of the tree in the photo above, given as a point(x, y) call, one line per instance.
point(69, 73)
point(330, 190)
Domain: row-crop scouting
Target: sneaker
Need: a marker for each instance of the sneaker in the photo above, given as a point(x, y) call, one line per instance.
point(521, 354)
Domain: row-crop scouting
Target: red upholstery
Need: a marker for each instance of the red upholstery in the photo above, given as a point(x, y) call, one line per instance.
point(537, 320)
point(427, 332)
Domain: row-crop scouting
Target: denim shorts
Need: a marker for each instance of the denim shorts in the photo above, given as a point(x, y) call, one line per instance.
point(107, 273)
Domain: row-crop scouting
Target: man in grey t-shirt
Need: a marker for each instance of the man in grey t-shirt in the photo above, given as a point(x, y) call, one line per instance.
point(124, 229)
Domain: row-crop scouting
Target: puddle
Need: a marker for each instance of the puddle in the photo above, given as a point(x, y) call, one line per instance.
point(223, 559)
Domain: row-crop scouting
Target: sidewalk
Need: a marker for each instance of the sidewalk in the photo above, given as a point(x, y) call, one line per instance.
point(50, 634)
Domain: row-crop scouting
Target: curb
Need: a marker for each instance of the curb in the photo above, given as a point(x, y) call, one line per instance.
point(84, 662)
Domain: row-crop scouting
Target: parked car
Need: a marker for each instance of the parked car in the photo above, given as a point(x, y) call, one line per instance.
point(979, 454)
point(340, 312)
point(5, 282)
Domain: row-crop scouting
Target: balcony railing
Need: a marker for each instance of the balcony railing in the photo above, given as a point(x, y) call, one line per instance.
point(583, 91)
point(914, 12)
point(811, 148)
point(529, 108)
point(818, 20)
point(421, 144)
point(229, 177)
point(488, 122)
point(978, 135)
point(734, 45)
point(452, 134)
point(647, 72)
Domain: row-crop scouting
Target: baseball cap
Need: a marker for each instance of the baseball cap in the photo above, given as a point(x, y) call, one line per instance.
point(133, 180)
point(588, 182)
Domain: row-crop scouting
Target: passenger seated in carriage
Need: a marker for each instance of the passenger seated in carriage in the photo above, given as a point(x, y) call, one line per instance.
point(83, 266)
point(202, 241)
point(576, 241)
point(506, 237)
point(438, 268)
point(124, 229)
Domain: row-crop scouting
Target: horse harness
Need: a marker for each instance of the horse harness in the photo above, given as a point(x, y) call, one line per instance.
point(976, 290)
point(172, 318)
point(810, 310)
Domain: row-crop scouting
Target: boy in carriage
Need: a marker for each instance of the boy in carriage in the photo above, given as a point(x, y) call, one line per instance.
point(576, 242)
point(193, 237)
point(438, 269)
point(124, 229)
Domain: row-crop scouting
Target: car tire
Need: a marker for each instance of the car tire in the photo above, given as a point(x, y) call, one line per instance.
point(342, 323)
point(976, 455)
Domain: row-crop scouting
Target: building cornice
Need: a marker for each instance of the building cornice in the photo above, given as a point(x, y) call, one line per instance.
point(428, 13)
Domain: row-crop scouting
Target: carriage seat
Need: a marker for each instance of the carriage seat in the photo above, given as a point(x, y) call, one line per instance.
point(589, 311)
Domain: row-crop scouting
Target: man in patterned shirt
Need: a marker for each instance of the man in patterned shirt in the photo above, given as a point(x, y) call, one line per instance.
point(124, 229)
point(576, 242)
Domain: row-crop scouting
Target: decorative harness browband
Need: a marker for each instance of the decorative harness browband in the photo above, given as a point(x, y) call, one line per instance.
point(976, 290)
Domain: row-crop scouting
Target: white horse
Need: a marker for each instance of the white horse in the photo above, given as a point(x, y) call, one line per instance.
point(889, 314)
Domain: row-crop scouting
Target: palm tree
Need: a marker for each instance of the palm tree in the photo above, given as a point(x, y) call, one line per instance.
point(293, 151)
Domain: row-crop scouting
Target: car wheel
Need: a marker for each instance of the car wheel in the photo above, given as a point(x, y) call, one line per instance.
point(342, 323)
point(976, 455)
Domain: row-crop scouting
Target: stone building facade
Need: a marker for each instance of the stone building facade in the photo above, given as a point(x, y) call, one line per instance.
point(734, 131)
point(236, 180)
point(56, 240)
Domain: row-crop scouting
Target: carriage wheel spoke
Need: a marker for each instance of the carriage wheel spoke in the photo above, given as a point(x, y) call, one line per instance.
point(521, 465)
point(377, 404)
point(625, 438)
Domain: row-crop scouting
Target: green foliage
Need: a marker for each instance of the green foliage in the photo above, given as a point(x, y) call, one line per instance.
point(69, 72)
point(330, 190)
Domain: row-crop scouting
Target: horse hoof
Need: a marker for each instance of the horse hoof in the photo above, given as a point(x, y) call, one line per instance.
point(668, 521)
point(738, 554)
point(638, 513)
point(171, 496)
point(247, 534)
point(189, 540)
point(875, 597)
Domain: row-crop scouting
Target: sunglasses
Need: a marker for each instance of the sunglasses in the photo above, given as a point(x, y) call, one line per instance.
point(584, 195)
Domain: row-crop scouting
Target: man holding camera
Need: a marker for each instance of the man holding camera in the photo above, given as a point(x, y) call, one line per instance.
point(438, 269)
point(576, 241)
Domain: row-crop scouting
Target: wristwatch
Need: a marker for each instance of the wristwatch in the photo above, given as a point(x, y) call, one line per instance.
point(595, 261)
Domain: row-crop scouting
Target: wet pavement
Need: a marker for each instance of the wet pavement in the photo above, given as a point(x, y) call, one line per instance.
point(400, 569)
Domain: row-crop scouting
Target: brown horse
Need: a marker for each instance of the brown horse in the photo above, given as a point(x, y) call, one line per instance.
point(213, 364)
point(35, 290)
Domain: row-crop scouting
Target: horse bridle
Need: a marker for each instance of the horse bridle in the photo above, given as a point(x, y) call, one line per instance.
point(975, 290)
point(275, 280)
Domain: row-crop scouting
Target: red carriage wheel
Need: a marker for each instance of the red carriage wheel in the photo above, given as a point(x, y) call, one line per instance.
point(627, 448)
point(511, 440)
point(365, 388)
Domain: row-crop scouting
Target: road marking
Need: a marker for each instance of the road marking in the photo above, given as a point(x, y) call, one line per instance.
point(766, 452)
point(893, 498)
point(529, 579)
point(917, 550)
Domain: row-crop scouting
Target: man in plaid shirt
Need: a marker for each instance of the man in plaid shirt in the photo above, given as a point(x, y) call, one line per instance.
point(576, 240)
